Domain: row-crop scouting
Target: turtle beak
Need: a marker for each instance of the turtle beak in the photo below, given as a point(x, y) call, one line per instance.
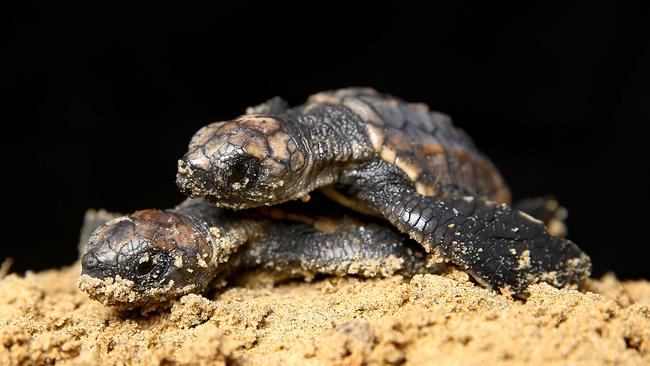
point(193, 181)
point(91, 266)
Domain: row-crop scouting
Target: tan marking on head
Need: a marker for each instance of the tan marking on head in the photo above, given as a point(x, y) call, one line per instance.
point(278, 144)
point(228, 127)
point(164, 229)
point(426, 189)
point(157, 216)
point(409, 166)
point(213, 146)
point(256, 148)
point(376, 136)
point(238, 138)
point(388, 154)
point(305, 197)
point(205, 133)
point(197, 159)
point(363, 110)
point(264, 124)
point(189, 237)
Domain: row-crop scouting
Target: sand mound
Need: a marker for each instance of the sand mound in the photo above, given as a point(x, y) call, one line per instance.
point(429, 319)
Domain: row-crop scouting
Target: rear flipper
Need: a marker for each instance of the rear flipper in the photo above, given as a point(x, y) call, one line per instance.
point(346, 248)
point(502, 248)
point(547, 210)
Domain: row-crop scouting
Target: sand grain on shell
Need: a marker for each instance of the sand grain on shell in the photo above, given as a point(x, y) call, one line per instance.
point(429, 319)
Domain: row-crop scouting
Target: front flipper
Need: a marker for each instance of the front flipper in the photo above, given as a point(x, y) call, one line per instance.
point(500, 247)
point(339, 247)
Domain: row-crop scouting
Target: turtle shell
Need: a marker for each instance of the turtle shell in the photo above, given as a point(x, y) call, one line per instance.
point(437, 157)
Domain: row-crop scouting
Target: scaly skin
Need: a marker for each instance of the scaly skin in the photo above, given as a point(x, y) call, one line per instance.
point(167, 253)
point(260, 160)
point(164, 253)
point(500, 247)
point(380, 153)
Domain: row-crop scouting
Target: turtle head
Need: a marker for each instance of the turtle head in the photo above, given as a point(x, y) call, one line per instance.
point(148, 257)
point(248, 162)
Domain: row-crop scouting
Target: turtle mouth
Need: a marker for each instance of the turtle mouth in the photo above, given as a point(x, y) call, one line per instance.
point(93, 267)
point(232, 188)
point(198, 184)
point(195, 182)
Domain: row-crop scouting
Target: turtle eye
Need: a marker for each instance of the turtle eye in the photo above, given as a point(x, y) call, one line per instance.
point(152, 267)
point(144, 268)
point(244, 171)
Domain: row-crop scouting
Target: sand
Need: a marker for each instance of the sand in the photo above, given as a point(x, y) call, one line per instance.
point(428, 319)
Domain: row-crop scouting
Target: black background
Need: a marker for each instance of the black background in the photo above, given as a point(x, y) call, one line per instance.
point(102, 99)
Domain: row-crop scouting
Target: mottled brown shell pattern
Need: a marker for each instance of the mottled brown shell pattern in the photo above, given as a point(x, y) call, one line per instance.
point(437, 157)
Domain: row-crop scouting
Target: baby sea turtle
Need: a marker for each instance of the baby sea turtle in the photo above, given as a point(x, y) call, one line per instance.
point(152, 256)
point(380, 155)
